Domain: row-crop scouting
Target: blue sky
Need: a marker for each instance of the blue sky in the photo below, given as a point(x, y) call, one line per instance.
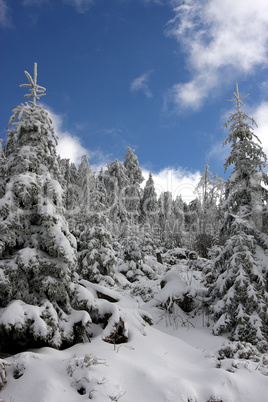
point(150, 74)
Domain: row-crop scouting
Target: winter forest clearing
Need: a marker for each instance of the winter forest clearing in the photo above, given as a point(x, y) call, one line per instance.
point(110, 293)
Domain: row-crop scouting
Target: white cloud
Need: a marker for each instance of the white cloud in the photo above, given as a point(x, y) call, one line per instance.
point(260, 115)
point(141, 84)
point(69, 146)
point(177, 181)
point(220, 40)
point(5, 19)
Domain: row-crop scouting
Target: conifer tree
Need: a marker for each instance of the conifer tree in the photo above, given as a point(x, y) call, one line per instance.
point(87, 182)
point(167, 223)
point(2, 174)
point(116, 181)
point(96, 257)
point(244, 192)
point(132, 190)
point(1, 149)
point(37, 251)
point(210, 191)
point(70, 184)
point(101, 193)
point(192, 214)
point(149, 205)
point(179, 220)
point(133, 170)
point(239, 294)
point(137, 245)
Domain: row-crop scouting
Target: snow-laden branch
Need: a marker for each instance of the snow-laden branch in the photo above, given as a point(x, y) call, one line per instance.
point(36, 91)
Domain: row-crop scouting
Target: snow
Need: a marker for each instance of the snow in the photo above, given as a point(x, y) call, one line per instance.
point(18, 312)
point(98, 289)
point(160, 363)
point(156, 367)
point(169, 352)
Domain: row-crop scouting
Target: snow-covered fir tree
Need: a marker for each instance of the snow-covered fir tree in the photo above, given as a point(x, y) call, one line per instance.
point(166, 218)
point(179, 220)
point(96, 257)
point(239, 294)
point(70, 184)
point(101, 193)
point(1, 149)
point(245, 192)
point(191, 222)
point(37, 251)
point(149, 204)
point(72, 191)
point(133, 170)
point(87, 182)
point(2, 173)
point(209, 189)
point(137, 244)
point(132, 190)
point(116, 181)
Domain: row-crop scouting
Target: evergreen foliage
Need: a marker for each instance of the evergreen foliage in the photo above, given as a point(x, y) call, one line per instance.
point(210, 191)
point(96, 256)
point(149, 205)
point(53, 272)
point(132, 190)
point(239, 293)
point(38, 253)
point(116, 180)
point(70, 184)
point(87, 184)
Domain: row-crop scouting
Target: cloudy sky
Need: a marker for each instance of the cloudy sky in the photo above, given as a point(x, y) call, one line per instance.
point(154, 75)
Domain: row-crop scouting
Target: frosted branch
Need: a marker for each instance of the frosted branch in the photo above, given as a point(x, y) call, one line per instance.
point(36, 91)
point(237, 98)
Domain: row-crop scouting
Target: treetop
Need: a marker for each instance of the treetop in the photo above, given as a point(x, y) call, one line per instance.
point(36, 91)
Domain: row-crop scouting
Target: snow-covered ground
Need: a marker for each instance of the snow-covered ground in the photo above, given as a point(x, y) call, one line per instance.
point(173, 360)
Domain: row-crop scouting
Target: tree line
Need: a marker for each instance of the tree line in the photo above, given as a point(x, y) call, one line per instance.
point(61, 225)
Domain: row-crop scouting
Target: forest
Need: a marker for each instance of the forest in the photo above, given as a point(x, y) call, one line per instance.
point(98, 257)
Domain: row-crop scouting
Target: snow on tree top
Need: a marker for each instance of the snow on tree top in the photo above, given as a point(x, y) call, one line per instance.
point(31, 114)
point(35, 89)
point(237, 98)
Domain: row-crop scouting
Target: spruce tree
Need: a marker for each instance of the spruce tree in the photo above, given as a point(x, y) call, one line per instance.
point(178, 210)
point(239, 294)
point(37, 251)
point(116, 181)
point(149, 205)
point(133, 170)
point(210, 191)
point(132, 190)
point(96, 257)
point(71, 185)
point(87, 182)
point(101, 193)
point(2, 173)
point(166, 218)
